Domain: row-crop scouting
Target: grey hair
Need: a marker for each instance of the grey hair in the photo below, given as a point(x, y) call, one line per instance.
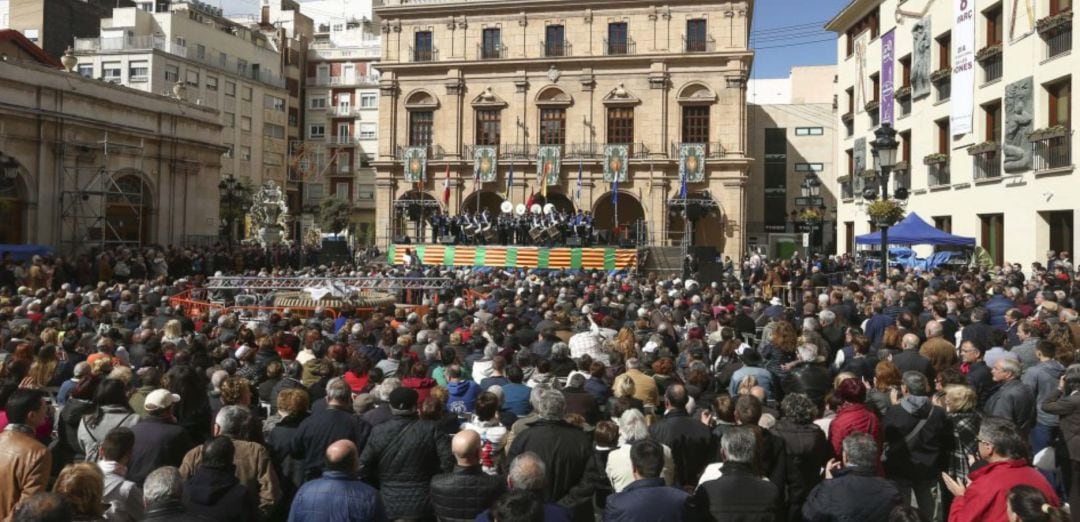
point(164, 483)
point(552, 405)
point(338, 390)
point(387, 386)
point(534, 397)
point(633, 363)
point(807, 352)
point(233, 420)
point(632, 426)
point(934, 328)
point(560, 348)
point(809, 324)
point(827, 316)
point(916, 383)
point(527, 472)
point(739, 444)
point(576, 380)
point(1010, 365)
point(861, 450)
point(1003, 435)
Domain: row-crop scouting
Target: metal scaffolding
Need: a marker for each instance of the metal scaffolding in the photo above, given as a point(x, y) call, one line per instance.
point(351, 283)
point(89, 189)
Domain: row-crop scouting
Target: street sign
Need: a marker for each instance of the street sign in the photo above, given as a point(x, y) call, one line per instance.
point(809, 201)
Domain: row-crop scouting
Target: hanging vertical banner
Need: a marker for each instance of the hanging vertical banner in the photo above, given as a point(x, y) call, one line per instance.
point(415, 160)
point(692, 162)
point(547, 165)
point(963, 75)
point(888, 53)
point(485, 164)
point(615, 159)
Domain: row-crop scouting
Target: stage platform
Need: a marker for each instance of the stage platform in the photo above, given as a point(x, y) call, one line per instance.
point(602, 258)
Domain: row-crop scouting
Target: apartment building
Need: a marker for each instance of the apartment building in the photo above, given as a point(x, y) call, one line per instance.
point(191, 51)
point(981, 99)
point(341, 122)
point(792, 138)
point(51, 24)
point(618, 96)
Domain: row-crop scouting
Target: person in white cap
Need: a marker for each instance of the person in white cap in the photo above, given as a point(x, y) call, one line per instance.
point(159, 440)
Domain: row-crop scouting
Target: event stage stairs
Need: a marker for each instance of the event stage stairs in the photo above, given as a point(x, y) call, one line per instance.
point(602, 258)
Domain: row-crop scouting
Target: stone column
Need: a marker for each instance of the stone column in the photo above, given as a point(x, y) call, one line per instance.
point(455, 105)
point(737, 81)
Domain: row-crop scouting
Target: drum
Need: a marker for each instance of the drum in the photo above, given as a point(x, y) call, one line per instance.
point(552, 232)
point(489, 234)
point(537, 234)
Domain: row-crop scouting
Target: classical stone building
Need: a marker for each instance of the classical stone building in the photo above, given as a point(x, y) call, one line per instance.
point(577, 76)
point(986, 142)
point(85, 163)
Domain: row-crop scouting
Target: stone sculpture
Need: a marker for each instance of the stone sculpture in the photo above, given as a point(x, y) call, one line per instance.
point(920, 59)
point(1019, 108)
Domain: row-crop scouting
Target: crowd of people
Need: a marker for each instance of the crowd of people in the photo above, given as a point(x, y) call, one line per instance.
point(794, 392)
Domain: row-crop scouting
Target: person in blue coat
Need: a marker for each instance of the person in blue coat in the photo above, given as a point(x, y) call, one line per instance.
point(339, 496)
point(647, 498)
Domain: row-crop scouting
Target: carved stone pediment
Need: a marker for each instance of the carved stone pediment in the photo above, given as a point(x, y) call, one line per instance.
point(488, 100)
point(620, 96)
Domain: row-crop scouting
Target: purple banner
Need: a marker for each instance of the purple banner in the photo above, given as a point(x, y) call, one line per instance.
point(888, 51)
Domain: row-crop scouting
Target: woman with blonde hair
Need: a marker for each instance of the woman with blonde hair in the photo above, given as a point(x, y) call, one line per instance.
point(173, 332)
point(43, 369)
point(964, 423)
point(83, 485)
point(626, 343)
point(623, 387)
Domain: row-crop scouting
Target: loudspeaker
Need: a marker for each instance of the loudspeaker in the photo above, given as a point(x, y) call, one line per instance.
point(705, 254)
point(447, 239)
point(573, 241)
point(402, 240)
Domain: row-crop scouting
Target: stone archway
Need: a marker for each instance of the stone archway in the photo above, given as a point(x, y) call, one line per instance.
point(481, 201)
point(13, 206)
point(128, 209)
point(412, 213)
point(626, 225)
point(701, 214)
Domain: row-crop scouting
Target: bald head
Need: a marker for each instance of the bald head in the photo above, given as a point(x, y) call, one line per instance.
point(466, 448)
point(341, 456)
point(933, 329)
point(910, 341)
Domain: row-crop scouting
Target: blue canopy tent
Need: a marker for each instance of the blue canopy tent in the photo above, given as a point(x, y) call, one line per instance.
point(913, 230)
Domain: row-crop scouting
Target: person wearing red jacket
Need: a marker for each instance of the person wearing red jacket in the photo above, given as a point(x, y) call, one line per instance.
point(985, 497)
point(853, 416)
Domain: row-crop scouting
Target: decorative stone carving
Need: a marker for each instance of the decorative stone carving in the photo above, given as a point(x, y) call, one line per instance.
point(736, 81)
point(450, 24)
point(523, 20)
point(1019, 111)
point(553, 74)
point(666, 13)
point(588, 16)
point(521, 85)
point(920, 58)
point(268, 213)
point(463, 23)
point(858, 156)
point(653, 14)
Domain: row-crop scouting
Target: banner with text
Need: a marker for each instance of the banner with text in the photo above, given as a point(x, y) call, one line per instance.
point(963, 75)
point(888, 52)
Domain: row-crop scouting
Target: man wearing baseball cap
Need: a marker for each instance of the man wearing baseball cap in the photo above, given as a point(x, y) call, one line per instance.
point(159, 440)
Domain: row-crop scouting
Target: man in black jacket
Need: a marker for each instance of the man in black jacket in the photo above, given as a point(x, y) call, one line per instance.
point(214, 491)
point(740, 493)
point(809, 376)
point(401, 457)
point(909, 359)
point(564, 448)
point(159, 440)
point(852, 490)
point(690, 440)
point(978, 373)
point(467, 491)
point(321, 429)
point(916, 433)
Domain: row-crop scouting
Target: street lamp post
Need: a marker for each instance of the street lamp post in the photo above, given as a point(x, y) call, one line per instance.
point(883, 149)
point(812, 207)
point(230, 194)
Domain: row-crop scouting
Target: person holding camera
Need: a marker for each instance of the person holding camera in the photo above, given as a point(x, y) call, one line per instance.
point(1065, 403)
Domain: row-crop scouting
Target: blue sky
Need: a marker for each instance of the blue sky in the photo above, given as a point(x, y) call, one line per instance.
point(787, 33)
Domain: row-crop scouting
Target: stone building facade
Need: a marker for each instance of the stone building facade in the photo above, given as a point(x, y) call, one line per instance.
point(1009, 181)
point(85, 163)
point(576, 75)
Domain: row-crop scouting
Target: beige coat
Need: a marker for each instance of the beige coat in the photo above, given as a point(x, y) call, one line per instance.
point(253, 470)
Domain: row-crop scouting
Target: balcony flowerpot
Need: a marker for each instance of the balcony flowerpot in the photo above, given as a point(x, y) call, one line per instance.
point(847, 117)
point(988, 52)
point(872, 105)
point(810, 216)
point(885, 212)
point(936, 159)
point(901, 166)
point(903, 93)
point(1051, 25)
point(1056, 131)
point(941, 75)
point(984, 147)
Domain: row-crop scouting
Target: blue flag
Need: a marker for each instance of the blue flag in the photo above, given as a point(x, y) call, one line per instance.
point(509, 180)
point(615, 190)
point(577, 195)
point(682, 185)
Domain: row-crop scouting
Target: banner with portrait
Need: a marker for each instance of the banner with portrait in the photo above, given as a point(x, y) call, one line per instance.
point(615, 162)
point(415, 161)
point(485, 164)
point(547, 165)
point(692, 162)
